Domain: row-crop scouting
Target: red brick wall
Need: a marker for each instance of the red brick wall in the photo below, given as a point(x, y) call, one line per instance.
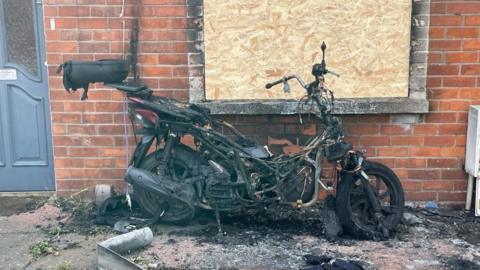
point(426, 151)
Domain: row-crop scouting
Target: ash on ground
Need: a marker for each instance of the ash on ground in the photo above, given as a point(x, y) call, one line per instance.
point(61, 232)
point(280, 239)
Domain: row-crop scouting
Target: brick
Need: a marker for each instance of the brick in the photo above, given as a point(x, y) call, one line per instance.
point(112, 152)
point(59, 151)
point(63, 23)
point(471, 44)
point(98, 47)
point(469, 93)
point(452, 196)
point(174, 83)
point(459, 81)
point(109, 106)
point(425, 151)
point(165, 11)
point(454, 174)
point(434, 81)
point(82, 129)
point(443, 20)
point(364, 129)
point(460, 185)
point(82, 152)
point(66, 140)
point(396, 129)
point(374, 140)
point(163, 23)
point(443, 163)
point(407, 140)
point(436, 33)
point(172, 59)
point(439, 140)
point(73, 11)
point(93, 23)
point(438, 185)
point(452, 129)
point(440, 93)
point(471, 69)
point(65, 118)
point(410, 163)
point(437, 8)
point(463, 7)
point(435, 57)
point(462, 57)
point(424, 174)
point(392, 152)
point(421, 196)
point(460, 140)
point(427, 129)
point(412, 185)
point(472, 20)
point(441, 117)
point(58, 129)
point(62, 47)
point(157, 71)
point(462, 32)
point(68, 163)
point(443, 69)
point(50, 11)
point(104, 11)
point(454, 105)
point(445, 45)
point(97, 118)
point(111, 130)
point(434, 106)
point(97, 141)
point(452, 152)
point(390, 162)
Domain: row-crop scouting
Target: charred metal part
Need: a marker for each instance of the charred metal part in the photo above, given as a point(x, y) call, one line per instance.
point(134, 44)
point(176, 194)
point(230, 172)
point(109, 252)
point(219, 223)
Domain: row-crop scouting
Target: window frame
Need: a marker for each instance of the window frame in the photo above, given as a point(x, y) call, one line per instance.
point(416, 102)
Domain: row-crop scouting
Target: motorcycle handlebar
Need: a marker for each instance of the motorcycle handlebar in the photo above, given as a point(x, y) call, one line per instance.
point(285, 79)
point(270, 85)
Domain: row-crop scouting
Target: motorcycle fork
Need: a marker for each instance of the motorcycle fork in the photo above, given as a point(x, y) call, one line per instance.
point(377, 208)
point(170, 142)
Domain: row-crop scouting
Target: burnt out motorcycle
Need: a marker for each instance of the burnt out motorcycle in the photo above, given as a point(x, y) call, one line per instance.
point(227, 173)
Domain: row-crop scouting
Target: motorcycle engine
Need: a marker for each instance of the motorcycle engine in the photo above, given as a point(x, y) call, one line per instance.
point(299, 185)
point(220, 192)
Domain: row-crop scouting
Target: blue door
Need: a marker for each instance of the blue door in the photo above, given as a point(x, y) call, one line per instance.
point(26, 162)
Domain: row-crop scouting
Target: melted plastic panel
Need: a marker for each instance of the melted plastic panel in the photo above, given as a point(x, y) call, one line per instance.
point(249, 43)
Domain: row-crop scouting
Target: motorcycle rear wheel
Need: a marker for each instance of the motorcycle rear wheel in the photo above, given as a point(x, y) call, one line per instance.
point(180, 168)
point(354, 208)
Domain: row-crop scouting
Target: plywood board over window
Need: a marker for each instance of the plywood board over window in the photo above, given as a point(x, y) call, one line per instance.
point(249, 43)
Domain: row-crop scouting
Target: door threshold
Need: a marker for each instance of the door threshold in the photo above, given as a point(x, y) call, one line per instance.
point(27, 193)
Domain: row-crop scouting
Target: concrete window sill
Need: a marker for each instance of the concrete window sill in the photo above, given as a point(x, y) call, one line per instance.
point(341, 106)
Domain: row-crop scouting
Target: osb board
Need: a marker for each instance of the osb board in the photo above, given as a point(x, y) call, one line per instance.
point(251, 42)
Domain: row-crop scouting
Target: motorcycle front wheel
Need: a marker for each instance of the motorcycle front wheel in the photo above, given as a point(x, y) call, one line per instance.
point(353, 206)
point(179, 168)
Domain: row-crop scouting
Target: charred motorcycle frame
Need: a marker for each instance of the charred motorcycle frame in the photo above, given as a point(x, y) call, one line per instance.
point(230, 172)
